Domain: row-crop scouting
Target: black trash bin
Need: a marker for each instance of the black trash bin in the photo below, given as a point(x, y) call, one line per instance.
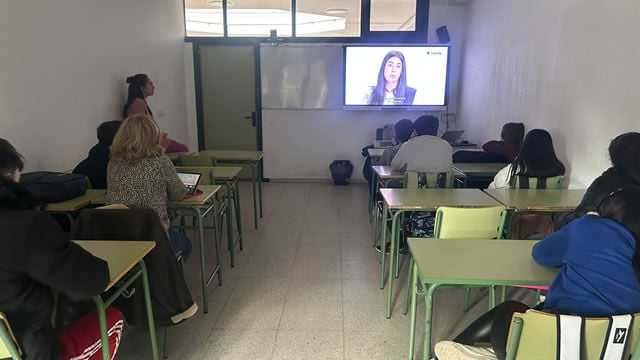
point(341, 171)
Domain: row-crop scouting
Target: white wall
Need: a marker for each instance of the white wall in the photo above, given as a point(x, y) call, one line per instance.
point(568, 66)
point(302, 143)
point(63, 65)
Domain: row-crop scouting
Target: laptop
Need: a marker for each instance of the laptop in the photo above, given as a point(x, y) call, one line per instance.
point(190, 181)
point(452, 136)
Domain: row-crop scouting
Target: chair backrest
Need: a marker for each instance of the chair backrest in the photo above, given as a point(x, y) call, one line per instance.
point(533, 335)
point(9, 347)
point(528, 225)
point(527, 182)
point(427, 180)
point(466, 223)
point(206, 173)
point(196, 160)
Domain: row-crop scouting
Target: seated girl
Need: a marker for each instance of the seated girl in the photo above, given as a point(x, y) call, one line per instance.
point(537, 158)
point(496, 151)
point(599, 264)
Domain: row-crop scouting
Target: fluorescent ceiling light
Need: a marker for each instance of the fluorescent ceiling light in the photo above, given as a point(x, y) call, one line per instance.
point(259, 22)
point(336, 11)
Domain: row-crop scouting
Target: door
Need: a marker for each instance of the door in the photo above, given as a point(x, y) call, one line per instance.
point(229, 97)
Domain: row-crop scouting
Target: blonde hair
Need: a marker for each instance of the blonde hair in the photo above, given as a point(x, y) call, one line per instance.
point(137, 138)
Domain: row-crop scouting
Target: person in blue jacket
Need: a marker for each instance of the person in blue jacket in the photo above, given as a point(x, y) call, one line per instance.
point(599, 261)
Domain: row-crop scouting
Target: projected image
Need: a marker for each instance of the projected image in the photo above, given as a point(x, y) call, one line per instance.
point(395, 76)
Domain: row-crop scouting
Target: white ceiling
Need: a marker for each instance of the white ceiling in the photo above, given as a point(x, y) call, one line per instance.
point(385, 14)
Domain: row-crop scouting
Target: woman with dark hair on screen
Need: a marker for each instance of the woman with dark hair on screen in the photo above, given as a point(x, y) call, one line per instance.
point(536, 159)
point(141, 87)
point(391, 87)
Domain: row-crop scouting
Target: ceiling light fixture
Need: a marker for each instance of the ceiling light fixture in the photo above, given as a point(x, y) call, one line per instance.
point(218, 3)
point(336, 11)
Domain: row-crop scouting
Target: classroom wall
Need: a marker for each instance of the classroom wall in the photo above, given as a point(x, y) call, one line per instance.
point(568, 66)
point(62, 69)
point(300, 144)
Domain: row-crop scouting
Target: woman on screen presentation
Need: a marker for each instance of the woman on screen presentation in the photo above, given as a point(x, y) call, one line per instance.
point(141, 87)
point(391, 88)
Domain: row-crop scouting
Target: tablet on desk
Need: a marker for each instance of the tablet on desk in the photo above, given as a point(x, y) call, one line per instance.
point(190, 181)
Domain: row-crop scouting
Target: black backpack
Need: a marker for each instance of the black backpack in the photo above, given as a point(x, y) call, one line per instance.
point(51, 187)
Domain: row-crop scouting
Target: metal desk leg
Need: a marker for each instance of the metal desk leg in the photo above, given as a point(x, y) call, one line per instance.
point(414, 295)
point(238, 211)
point(147, 303)
point(428, 315)
point(253, 186)
point(203, 280)
point(383, 242)
point(230, 238)
point(372, 194)
point(102, 322)
point(260, 185)
point(394, 231)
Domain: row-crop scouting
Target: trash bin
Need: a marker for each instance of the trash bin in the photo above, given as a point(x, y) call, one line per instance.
point(341, 171)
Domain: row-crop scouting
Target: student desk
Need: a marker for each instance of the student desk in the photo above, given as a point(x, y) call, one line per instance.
point(201, 206)
point(476, 171)
point(375, 152)
point(469, 262)
point(125, 266)
point(228, 176)
point(176, 155)
point(71, 206)
point(381, 176)
point(552, 200)
point(399, 201)
point(252, 158)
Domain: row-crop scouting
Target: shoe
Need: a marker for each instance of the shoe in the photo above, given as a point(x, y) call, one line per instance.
point(449, 350)
point(387, 250)
point(192, 310)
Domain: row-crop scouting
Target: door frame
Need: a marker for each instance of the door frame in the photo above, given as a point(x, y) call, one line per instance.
point(199, 100)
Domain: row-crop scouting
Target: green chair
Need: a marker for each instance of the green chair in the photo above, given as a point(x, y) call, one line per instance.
point(464, 223)
point(528, 182)
point(196, 160)
point(9, 347)
point(533, 336)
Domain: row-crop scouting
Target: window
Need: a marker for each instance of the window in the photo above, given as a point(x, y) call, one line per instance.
point(393, 15)
point(327, 18)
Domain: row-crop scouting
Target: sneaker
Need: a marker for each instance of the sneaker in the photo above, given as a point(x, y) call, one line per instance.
point(387, 250)
point(449, 350)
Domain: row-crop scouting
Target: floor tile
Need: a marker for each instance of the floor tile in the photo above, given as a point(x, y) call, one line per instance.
point(314, 289)
point(317, 345)
point(253, 314)
point(229, 344)
point(312, 315)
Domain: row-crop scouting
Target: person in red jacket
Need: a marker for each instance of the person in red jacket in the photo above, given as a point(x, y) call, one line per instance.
point(38, 257)
point(496, 151)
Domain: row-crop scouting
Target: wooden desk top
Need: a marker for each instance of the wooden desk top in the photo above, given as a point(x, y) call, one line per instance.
point(431, 199)
point(203, 199)
point(121, 256)
point(385, 172)
point(481, 262)
point(229, 155)
point(226, 172)
point(175, 155)
point(77, 203)
point(541, 200)
point(478, 168)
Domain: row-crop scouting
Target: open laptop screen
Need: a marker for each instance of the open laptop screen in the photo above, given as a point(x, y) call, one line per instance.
point(190, 180)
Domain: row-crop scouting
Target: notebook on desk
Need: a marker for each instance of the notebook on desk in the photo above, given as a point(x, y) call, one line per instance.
point(190, 181)
point(452, 136)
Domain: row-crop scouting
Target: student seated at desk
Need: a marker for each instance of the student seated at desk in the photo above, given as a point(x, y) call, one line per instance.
point(624, 152)
point(141, 87)
point(496, 151)
point(36, 257)
point(536, 159)
point(140, 175)
point(425, 152)
point(403, 131)
point(94, 166)
point(599, 261)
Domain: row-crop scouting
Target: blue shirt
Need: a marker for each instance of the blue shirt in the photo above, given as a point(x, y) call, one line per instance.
point(597, 277)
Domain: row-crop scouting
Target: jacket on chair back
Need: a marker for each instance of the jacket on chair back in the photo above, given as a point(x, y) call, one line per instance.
point(170, 295)
point(35, 257)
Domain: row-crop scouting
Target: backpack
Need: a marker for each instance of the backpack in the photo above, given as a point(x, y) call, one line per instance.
point(51, 187)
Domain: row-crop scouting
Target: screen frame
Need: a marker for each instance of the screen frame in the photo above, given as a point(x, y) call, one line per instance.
point(434, 108)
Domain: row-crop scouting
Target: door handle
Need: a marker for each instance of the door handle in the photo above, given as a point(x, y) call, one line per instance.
point(253, 118)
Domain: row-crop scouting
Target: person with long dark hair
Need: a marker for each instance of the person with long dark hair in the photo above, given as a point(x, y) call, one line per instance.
point(140, 88)
point(391, 86)
point(624, 152)
point(537, 158)
point(38, 256)
point(599, 260)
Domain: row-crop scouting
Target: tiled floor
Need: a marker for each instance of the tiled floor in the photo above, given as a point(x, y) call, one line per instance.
point(305, 287)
